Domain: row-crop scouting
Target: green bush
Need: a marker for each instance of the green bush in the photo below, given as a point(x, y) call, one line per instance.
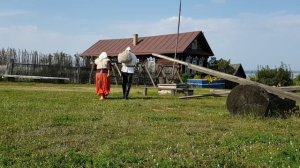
point(197, 76)
point(297, 80)
point(297, 77)
point(185, 76)
point(252, 77)
point(274, 77)
point(220, 65)
point(210, 78)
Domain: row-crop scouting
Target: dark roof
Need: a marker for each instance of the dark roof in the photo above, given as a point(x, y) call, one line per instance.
point(162, 44)
point(239, 70)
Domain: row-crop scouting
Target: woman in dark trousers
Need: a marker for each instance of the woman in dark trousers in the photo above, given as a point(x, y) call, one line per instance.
point(127, 73)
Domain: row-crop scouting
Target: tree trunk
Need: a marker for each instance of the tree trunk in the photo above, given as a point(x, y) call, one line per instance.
point(254, 100)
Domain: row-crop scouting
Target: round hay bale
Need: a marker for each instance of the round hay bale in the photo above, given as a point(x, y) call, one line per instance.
point(254, 100)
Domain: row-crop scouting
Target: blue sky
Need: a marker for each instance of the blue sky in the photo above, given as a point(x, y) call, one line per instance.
point(251, 32)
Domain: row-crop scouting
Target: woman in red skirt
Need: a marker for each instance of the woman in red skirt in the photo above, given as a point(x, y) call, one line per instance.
point(102, 75)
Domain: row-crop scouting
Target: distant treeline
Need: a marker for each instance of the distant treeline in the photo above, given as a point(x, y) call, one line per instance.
point(59, 64)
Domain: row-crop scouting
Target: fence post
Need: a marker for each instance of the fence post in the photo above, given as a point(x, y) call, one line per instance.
point(78, 72)
point(10, 67)
point(92, 69)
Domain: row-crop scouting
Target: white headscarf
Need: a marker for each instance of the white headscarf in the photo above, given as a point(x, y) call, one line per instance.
point(128, 49)
point(103, 55)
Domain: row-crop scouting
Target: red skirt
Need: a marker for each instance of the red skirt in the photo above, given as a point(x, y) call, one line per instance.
point(102, 84)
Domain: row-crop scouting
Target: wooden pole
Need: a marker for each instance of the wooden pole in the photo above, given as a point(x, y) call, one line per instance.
point(181, 81)
point(11, 66)
point(274, 90)
point(147, 70)
point(177, 37)
point(92, 70)
point(116, 66)
point(114, 75)
point(205, 95)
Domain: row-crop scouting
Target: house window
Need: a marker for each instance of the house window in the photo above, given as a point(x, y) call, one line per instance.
point(195, 45)
point(201, 61)
point(188, 60)
point(194, 61)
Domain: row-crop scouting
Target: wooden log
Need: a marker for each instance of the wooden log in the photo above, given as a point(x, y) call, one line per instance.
point(241, 81)
point(116, 66)
point(290, 88)
point(35, 77)
point(205, 95)
point(256, 101)
point(147, 70)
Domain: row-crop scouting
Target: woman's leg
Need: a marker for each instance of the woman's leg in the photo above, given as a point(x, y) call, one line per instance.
point(98, 84)
point(128, 85)
point(124, 83)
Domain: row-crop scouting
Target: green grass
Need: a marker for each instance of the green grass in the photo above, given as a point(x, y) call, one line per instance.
point(48, 125)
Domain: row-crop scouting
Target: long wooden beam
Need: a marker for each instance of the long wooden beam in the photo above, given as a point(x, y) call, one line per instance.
point(205, 95)
point(147, 70)
point(274, 90)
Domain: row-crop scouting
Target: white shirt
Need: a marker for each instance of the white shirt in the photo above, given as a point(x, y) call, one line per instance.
point(129, 67)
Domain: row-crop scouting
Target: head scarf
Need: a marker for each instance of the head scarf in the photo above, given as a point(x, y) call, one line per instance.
point(103, 55)
point(128, 49)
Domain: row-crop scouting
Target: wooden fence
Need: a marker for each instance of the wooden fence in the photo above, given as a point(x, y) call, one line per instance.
point(74, 67)
point(32, 63)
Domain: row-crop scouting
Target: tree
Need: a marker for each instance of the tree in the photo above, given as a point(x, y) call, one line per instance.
point(220, 65)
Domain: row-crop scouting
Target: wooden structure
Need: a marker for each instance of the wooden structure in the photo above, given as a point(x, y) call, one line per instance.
point(239, 72)
point(216, 94)
point(282, 95)
point(25, 65)
point(192, 47)
point(37, 78)
point(171, 88)
point(175, 88)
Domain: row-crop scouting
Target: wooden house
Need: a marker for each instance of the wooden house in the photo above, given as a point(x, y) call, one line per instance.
point(192, 47)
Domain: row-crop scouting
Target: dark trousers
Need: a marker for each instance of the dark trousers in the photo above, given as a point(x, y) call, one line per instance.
point(126, 85)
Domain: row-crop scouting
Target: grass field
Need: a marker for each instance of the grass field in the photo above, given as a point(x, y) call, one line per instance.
point(48, 125)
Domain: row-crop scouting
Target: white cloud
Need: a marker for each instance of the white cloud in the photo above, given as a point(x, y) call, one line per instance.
point(249, 39)
point(32, 38)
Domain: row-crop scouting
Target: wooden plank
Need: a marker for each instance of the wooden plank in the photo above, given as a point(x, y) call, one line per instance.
point(274, 90)
point(205, 95)
point(116, 66)
point(290, 88)
point(35, 77)
point(178, 75)
point(147, 70)
point(222, 92)
point(114, 75)
point(170, 88)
